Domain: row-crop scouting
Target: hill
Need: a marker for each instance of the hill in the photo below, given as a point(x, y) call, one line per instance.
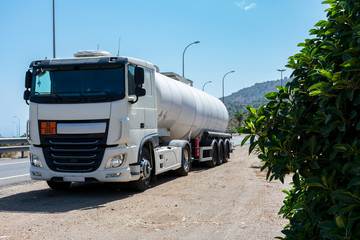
point(251, 96)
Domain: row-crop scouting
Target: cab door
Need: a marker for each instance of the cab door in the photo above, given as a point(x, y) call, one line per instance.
point(142, 113)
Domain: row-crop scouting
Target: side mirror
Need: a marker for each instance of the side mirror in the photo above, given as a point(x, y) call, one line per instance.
point(27, 96)
point(139, 76)
point(28, 79)
point(139, 92)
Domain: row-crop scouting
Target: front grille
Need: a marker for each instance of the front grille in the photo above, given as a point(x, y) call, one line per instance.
point(74, 152)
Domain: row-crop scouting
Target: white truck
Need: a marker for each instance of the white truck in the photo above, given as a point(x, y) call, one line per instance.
point(98, 118)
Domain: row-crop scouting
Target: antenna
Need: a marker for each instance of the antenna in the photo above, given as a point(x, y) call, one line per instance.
point(119, 47)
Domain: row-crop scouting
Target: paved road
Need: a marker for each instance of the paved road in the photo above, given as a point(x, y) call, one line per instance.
point(14, 170)
point(237, 140)
point(17, 170)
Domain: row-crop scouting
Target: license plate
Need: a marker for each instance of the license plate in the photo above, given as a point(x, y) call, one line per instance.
point(74, 179)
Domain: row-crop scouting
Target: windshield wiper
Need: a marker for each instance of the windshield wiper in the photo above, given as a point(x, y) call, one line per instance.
point(46, 98)
point(84, 96)
point(74, 97)
point(98, 95)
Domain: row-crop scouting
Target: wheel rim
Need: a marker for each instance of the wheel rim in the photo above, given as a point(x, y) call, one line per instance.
point(145, 168)
point(186, 159)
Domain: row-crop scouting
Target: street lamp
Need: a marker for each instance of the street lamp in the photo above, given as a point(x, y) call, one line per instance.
point(223, 84)
point(205, 84)
point(18, 119)
point(281, 70)
point(184, 55)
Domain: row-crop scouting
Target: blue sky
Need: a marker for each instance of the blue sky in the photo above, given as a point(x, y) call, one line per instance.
point(251, 37)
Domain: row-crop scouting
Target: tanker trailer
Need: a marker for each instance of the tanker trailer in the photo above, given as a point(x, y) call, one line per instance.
point(98, 118)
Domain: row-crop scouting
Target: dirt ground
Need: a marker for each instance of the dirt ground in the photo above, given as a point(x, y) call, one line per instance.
point(231, 201)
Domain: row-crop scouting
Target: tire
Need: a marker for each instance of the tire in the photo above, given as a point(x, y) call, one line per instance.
point(221, 153)
point(59, 186)
point(226, 152)
point(212, 163)
point(146, 167)
point(185, 162)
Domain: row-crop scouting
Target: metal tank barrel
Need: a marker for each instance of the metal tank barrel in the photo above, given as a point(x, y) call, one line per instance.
point(184, 112)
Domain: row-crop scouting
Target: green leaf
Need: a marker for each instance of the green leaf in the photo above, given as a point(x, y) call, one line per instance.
point(252, 146)
point(260, 119)
point(350, 93)
point(314, 165)
point(286, 192)
point(328, 1)
point(341, 221)
point(312, 145)
point(245, 139)
point(326, 74)
point(271, 95)
point(327, 224)
point(328, 118)
point(252, 110)
point(315, 93)
point(296, 180)
point(318, 85)
point(325, 130)
point(340, 148)
point(354, 181)
point(346, 57)
point(358, 126)
point(335, 112)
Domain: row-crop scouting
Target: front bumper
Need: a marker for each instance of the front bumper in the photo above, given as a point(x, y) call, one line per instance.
point(124, 173)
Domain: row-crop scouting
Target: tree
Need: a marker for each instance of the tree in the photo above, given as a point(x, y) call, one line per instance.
point(239, 116)
point(311, 130)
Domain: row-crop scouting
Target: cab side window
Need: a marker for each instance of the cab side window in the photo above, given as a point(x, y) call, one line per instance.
point(131, 80)
point(147, 83)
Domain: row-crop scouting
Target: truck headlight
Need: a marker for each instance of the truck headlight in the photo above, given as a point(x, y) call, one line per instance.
point(35, 161)
point(116, 161)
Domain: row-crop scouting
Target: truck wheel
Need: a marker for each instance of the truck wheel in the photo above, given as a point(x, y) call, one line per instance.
point(221, 153)
point(212, 163)
point(226, 152)
point(145, 172)
point(185, 162)
point(59, 186)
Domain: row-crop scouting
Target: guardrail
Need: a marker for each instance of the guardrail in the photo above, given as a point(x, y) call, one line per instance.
point(21, 148)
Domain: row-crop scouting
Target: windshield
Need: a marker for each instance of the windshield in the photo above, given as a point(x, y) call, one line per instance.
point(74, 86)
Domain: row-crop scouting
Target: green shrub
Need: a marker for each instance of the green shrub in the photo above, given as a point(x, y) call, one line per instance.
point(310, 129)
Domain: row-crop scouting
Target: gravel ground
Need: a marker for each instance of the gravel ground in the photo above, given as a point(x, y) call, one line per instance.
point(231, 201)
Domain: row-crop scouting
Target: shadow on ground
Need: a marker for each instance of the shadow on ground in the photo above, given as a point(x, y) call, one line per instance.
point(80, 196)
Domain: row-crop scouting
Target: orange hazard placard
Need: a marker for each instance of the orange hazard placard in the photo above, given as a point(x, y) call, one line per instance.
point(48, 128)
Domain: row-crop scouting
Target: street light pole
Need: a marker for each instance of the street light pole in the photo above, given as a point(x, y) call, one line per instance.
point(184, 55)
point(54, 28)
point(18, 119)
point(205, 84)
point(281, 70)
point(16, 127)
point(223, 84)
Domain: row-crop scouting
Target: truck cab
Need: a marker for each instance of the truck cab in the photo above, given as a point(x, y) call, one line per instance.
point(84, 110)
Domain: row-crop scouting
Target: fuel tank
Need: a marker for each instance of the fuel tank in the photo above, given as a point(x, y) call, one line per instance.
point(184, 112)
